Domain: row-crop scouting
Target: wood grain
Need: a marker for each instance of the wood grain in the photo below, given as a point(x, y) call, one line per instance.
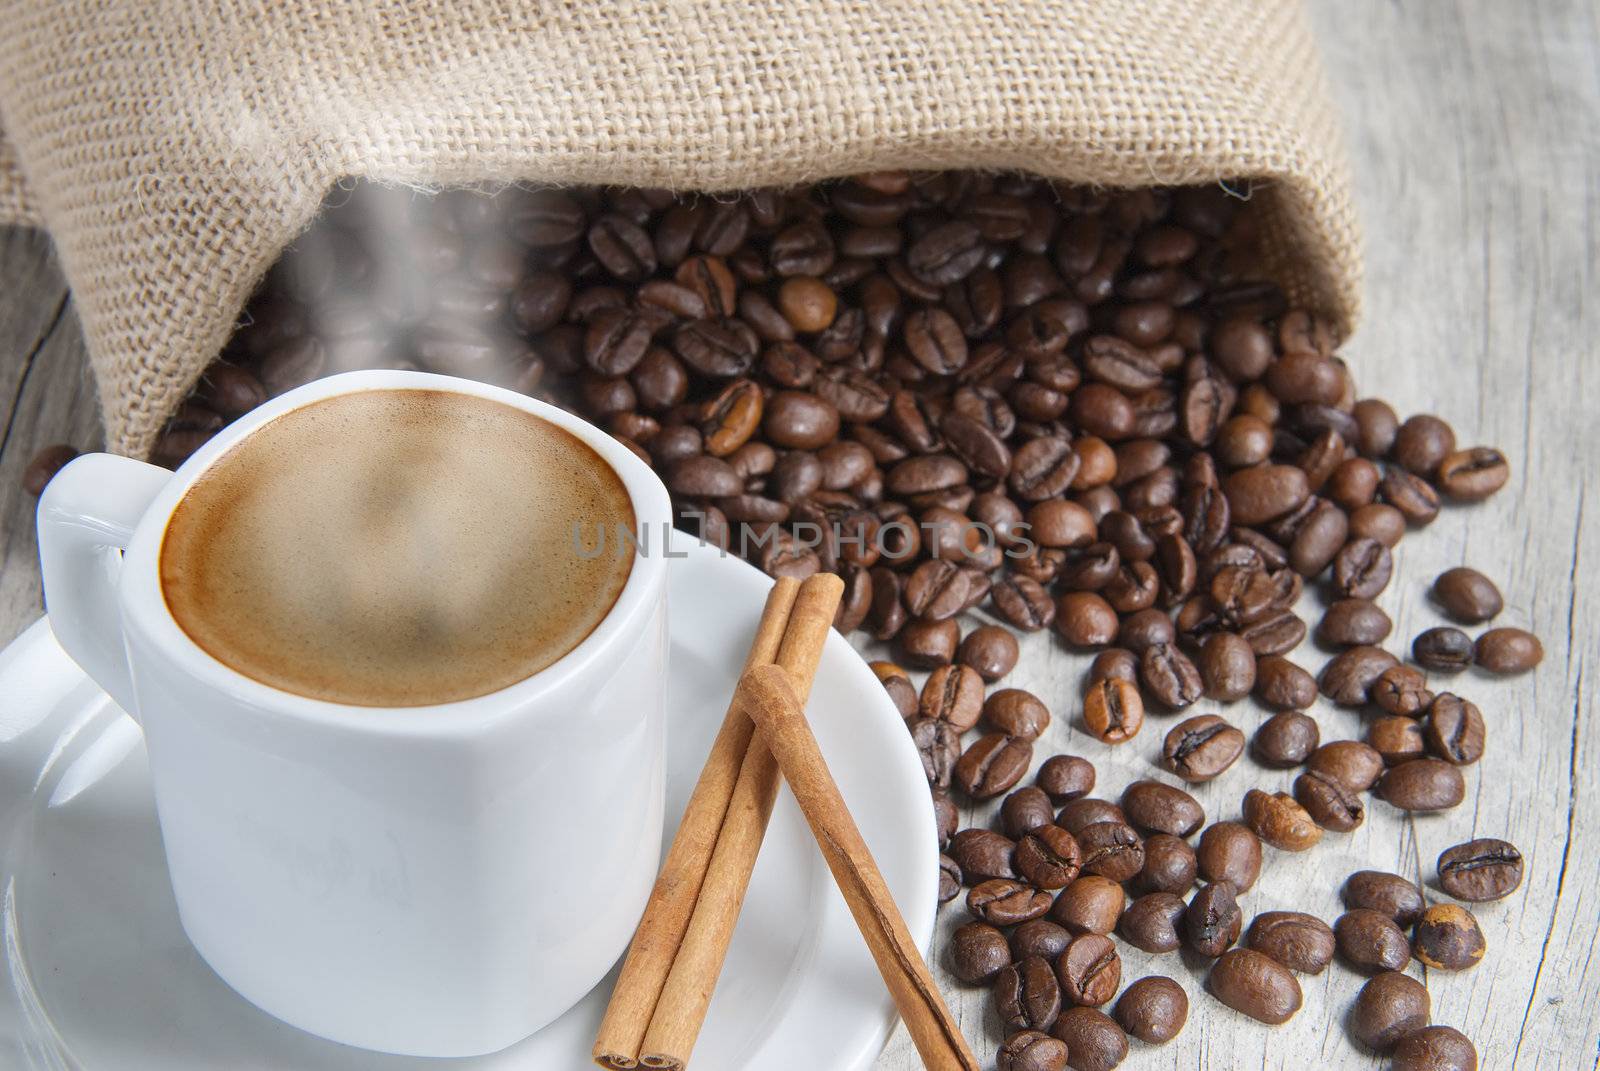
point(1474, 130)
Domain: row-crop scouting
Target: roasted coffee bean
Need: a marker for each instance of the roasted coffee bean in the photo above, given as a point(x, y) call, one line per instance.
point(1354, 623)
point(1447, 937)
point(1467, 596)
point(1111, 849)
point(953, 694)
point(1029, 1050)
point(938, 744)
point(1115, 663)
point(945, 816)
point(1409, 493)
point(1084, 619)
point(991, 651)
point(1094, 1041)
point(1422, 785)
point(1022, 603)
point(1286, 739)
point(1453, 730)
point(1064, 777)
point(1091, 904)
point(1039, 937)
point(1027, 994)
point(1371, 941)
point(1389, 1007)
point(1401, 690)
point(1388, 894)
point(1348, 677)
point(904, 696)
point(1161, 808)
point(1354, 764)
point(1255, 984)
point(1169, 676)
point(1473, 475)
point(1397, 738)
point(1230, 852)
point(927, 644)
point(949, 879)
point(1264, 492)
point(1480, 870)
point(1089, 970)
point(992, 765)
point(729, 420)
point(1280, 821)
point(1025, 810)
point(1004, 902)
point(1378, 521)
point(1508, 650)
point(1113, 711)
point(1329, 802)
point(1019, 714)
point(1442, 650)
point(1153, 1009)
point(1200, 748)
point(978, 952)
point(1048, 857)
point(1362, 569)
point(1421, 443)
point(1435, 1048)
point(1169, 864)
point(43, 467)
point(1152, 922)
point(1079, 813)
point(983, 854)
point(1145, 628)
point(1212, 921)
point(1283, 685)
point(1301, 942)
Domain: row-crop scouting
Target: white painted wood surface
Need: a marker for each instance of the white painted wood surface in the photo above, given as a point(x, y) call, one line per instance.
point(1474, 130)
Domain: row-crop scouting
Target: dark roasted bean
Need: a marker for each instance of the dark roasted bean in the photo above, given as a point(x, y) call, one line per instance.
point(1447, 937)
point(1255, 984)
point(1479, 870)
point(1389, 1007)
point(1508, 650)
point(1389, 894)
point(1301, 942)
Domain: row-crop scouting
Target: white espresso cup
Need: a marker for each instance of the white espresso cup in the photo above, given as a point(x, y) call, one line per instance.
point(434, 881)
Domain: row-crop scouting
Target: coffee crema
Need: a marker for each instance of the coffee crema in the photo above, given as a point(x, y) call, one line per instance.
point(396, 548)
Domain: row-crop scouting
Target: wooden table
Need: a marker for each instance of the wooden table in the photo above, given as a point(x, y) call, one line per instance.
point(1475, 135)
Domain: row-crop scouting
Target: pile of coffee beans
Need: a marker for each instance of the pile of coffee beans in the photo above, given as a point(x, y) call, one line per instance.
point(996, 404)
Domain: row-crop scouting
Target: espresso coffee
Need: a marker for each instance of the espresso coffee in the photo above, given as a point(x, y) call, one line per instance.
point(398, 548)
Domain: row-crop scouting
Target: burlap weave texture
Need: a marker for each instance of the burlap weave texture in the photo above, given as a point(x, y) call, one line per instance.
point(174, 147)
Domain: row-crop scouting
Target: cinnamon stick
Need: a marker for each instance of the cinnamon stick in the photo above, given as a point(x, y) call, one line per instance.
point(666, 914)
point(681, 1010)
point(765, 694)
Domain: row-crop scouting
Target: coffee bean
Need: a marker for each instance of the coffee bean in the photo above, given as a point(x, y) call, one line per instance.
point(991, 651)
point(927, 644)
point(1371, 941)
point(1212, 921)
point(1024, 810)
point(1389, 1007)
point(1280, 821)
point(1348, 677)
point(1111, 849)
point(1022, 603)
point(1443, 650)
point(1396, 738)
point(1283, 685)
point(1019, 714)
point(1509, 650)
point(1480, 870)
point(1080, 813)
point(1039, 937)
point(1421, 443)
point(1151, 923)
point(1094, 1041)
point(1401, 690)
point(1114, 663)
point(1027, 995)
point(1160, 808)
point(1413, 496)
point(1230, 852)
point(949, 879)
point(993, 765)
point(1048, 857)
point(1447, 937)
point(1467, 596)
point(1286, 739)
point(1169, 864)
point(1473, 475)
point(1329, 802)
point(1264, 492)
point(1254, 984)
point(1200, 748)
point(1065, 777)
point(1089, 970)
point(953, 694)
point(1227, 667)
point(1454, 730)
point(1084, 619)
point(1354, 764)
point(983, 854)
point(1354, 623)
point(1169, 676)
point(945, 816)
point(1422, 785)
point(1029, 1050)
point(1004, 902)
point(938, 744)
point(1113, 711)
point(1435, 1048)
point(1388, 894)
point(1153, 1009)
point(1091, 904)
point(1301, 942)
point(978, 952)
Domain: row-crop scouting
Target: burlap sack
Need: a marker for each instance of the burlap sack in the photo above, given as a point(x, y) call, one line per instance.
point(174, 148)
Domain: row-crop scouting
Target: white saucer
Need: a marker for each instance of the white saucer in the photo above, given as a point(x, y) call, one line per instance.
point(101, 978)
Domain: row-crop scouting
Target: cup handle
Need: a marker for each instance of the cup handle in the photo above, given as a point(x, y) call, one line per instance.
point(86, 517)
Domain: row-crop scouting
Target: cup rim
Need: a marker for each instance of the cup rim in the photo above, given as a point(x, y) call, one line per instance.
point(145, 611)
